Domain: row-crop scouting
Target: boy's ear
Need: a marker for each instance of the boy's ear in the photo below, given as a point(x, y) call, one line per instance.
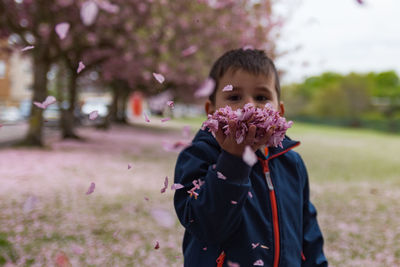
point(281, 109)
point(209, 107)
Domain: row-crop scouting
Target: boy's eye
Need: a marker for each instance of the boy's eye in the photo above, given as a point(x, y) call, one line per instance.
point(261, 98)
point(233, 97)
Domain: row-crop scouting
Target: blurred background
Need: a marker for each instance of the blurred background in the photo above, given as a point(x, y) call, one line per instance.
point(113, 68)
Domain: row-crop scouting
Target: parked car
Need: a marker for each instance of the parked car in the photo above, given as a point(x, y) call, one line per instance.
point(90, 105)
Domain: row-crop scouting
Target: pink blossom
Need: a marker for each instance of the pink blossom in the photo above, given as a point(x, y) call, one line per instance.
point(189, 51)
point(159, 77)
point(93, 115)
point(254, 245)
point(250, 194)
point(258, 263)
point(89, 12)
point(221, 176)
point(176, 186)
point(232, 264)
point(62, 29)
point(49, 101)
point(80, 67)
point(233, 202)
point(26, 48)
point(249, 156)
point(205, 89)
point(129, 166)
point(170, 104)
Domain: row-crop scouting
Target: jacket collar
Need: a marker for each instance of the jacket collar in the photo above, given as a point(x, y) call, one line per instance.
point(287, 144)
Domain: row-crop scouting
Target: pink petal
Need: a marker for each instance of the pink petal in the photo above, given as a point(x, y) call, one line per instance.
point(49, 100)
point(77, 250)
point(115, 234)
point(186, 131)
point(205, 248)
point(107, 6)
point(360, 2)
point(176, 186)
point(255, 245)
point(171, 104)
point(93, 115)
point(233, 264)
point(250, 195)
point(258, 263)
point(159, 77)
point(91, 189)
point(262, 246)
point(247, 47)
point(165, 185)
point(165, 119)
point(146, 198)
point(80, 67)
point(89, 12)
point(249, 156)
point(62, 29)
point(233, 202)
point(39, 105)
point(129, 166)
point(221, 176)
point(205, 89)
point(157, 246)
point(227, 88)
point(146, 119)
point(26, 48)
point(189, 51)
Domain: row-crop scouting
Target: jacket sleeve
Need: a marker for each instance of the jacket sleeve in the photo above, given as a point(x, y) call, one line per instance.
point(312, 236)
point(211, 217)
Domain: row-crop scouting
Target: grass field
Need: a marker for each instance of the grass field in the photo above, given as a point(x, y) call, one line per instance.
point(47, 219)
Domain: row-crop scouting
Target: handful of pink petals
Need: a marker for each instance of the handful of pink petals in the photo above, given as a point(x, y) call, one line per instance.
point(264, 119)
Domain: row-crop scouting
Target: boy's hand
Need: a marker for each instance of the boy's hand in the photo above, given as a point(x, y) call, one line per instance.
point(229, 144)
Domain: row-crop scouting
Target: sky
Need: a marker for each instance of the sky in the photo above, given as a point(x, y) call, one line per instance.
point(339, 35)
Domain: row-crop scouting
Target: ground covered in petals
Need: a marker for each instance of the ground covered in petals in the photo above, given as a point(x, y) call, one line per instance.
point(46, 215)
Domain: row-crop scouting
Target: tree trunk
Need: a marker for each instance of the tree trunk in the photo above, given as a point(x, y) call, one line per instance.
point(67, 116)
point(34, 136)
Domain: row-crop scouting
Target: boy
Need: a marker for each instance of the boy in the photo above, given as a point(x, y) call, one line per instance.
point(250, 216)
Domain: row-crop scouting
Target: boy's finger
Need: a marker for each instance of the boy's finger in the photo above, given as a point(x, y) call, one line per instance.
point(232, 131)
point(251, 135)
point(220, 136)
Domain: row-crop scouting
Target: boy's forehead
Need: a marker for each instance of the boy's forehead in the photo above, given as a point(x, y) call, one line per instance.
point(240, 77)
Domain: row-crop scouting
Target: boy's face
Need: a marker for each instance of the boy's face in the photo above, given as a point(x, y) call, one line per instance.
point(247, 88)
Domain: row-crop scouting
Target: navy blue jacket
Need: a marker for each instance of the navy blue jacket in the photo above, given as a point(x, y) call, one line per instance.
point(230, 214)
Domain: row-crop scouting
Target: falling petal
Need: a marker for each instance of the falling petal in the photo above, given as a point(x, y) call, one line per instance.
point(247, 47)
point(159, 77)
point(265, 247)
point(258, 263)
point(129, 166)
point(47, 102)
point(233, 264)
point(62, 30)
point(255, 245)
point(205, 89)
point(227, 88)
point(176, 186)
point(91, 189)
point(89, 12)
point(171, 104)
point(80, 67)
point(93, 115)
point(165, 119)
point(165, 185)
point(189, 51)
point(221, 176)
point(360, 2)
point(146, 119)
point(205, 248)
point(250, 195)
point(174, 147)
point(26, 48)
point(249, 156)
point(146, 198)
point(107, 6)
point(157, 246)
point(77, 250)
point(233, 202)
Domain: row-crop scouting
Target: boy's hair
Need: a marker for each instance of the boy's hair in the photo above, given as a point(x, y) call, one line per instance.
point(252, 60)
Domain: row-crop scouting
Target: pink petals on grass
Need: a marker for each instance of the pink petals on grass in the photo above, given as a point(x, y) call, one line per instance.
point(80, 67)
point(227, 88)
point(91, 188)
point(165, 185)
point(249, 156)
point(159, 77)
point(62, 29)
point(93, 115)
point(205, 89)
point(258, 263)
point(267, 121)
point(49, 101)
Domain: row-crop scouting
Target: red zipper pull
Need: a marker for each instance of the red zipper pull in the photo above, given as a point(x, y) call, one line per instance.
point(220, 260)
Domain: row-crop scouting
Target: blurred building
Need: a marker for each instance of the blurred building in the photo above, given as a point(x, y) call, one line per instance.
point(16, 77)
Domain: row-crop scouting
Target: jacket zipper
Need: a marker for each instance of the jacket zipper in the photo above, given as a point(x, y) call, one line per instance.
point(274, 207)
